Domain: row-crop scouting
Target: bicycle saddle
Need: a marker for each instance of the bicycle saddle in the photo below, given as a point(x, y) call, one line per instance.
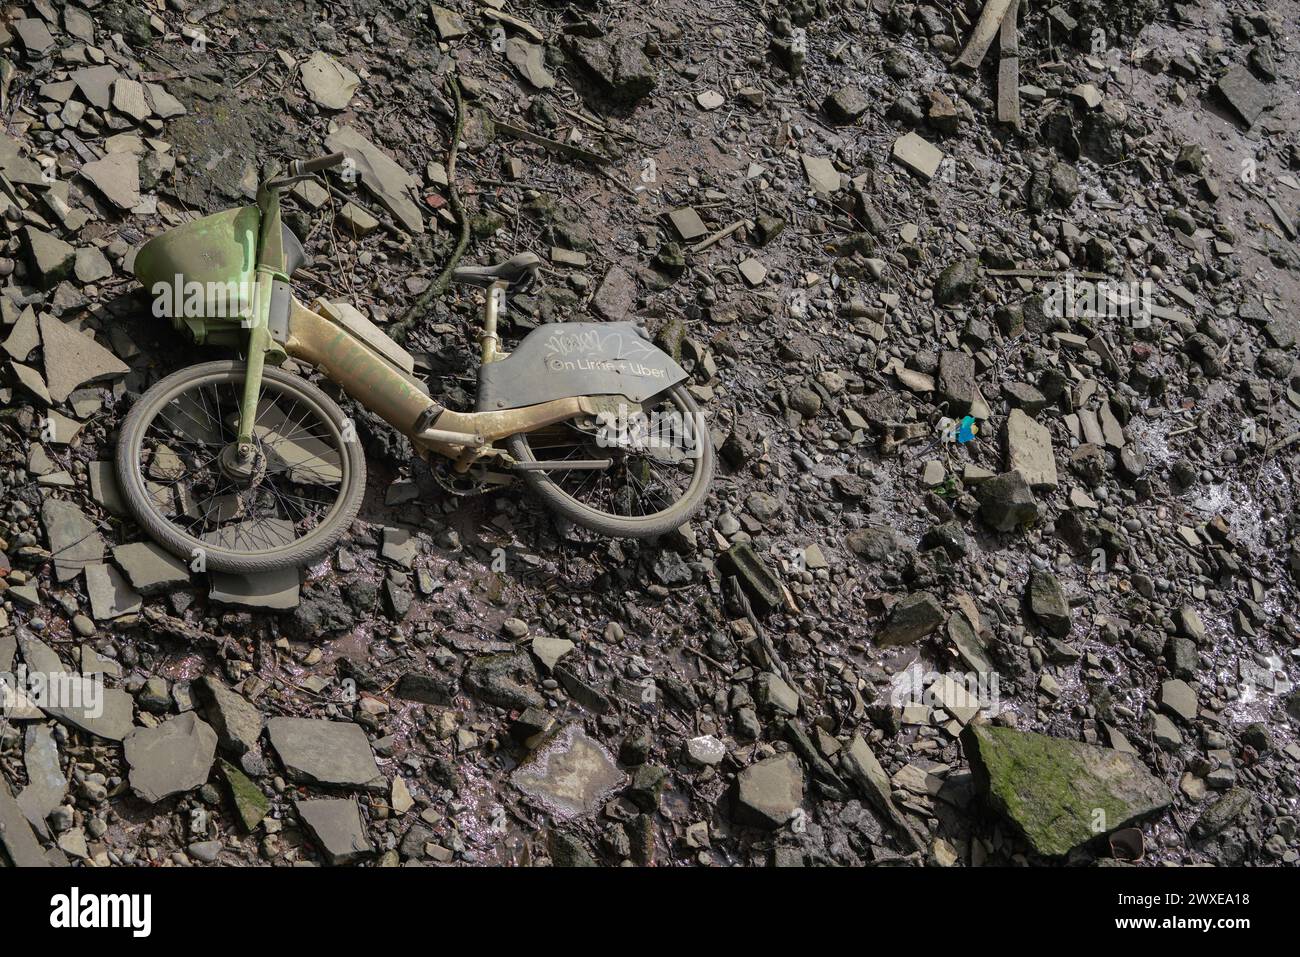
point(515, 270)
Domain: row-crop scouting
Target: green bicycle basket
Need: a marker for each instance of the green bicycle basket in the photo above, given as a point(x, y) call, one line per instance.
point(202, 275)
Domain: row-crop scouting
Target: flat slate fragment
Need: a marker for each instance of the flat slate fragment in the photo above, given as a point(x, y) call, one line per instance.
point(769, 792)
point(278, 590)
point(335, 824)
point(250, 803)
point(912, 619)
point(918, 155)
point(73, 358)
point(149, 568)
point(381, 175)
point(113, 718)
point(74, 540)
point(1246, 95)
point(1058, 793)
point(172, 758)
point(324, 752)
point(330, 83)
point(16, 834)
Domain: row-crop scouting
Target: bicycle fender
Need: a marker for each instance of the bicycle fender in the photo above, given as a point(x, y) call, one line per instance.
point(570, 359)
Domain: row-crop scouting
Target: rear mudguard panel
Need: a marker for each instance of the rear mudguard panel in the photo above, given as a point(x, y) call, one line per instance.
point(566, 360)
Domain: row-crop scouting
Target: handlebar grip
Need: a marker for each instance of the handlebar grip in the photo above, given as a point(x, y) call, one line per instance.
point(301, 167)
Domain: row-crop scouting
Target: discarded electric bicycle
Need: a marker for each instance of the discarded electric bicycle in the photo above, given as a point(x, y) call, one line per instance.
point(252, 468)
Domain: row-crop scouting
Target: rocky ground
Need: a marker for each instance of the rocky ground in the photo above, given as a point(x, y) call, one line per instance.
point(881, 642)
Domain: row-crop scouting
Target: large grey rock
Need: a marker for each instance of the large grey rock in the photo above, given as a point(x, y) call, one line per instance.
point(496, 680)
point(864, 769)
point(1235, 806)
point(846, 104)
point(1048, 603)
point(149, 568)
point(1058, 793)
point(774, 694)
point(1190, 624)
point(236, 720)
point(823, 177)
point(449, 24)
point(23, 337)
point(74, 540)
point(111, 716)
point(957, 281)
point(51, 258)
point(569, 774)
point(129, 99)
point(1246, 95)
point(1029, 450)
point(957, 381)
point(1178, 699)
point(46, 782)
point(172, 758)
point(16, 833)
point(912, 619)
point(95, 84)
point(970, 647)
point(73, 358)
point(915, 153)
point(872, 542)
point(37, 655)
point(769, 792)
point(117, 176)
point(324, 752)
point(273, 591)
point(550, 650)
point(618, 65)
point(329, 82)
point(381, 175)
point(34, 34)
point(1006, 503)
point(335, 824)
point(104, 488)
point(110, 595)
point(530, 60)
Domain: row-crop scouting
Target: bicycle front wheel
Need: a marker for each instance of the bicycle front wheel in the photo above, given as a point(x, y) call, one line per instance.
point(284, 505)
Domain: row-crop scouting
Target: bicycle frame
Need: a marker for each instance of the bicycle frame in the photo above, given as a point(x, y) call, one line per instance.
point(280, 326)
point(366, 375)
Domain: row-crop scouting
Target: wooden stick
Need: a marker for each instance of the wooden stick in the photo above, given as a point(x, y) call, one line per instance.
point(986, 28)
point(1044, 273)
point(720, 235)
point(1009, 68)
point(555, 146)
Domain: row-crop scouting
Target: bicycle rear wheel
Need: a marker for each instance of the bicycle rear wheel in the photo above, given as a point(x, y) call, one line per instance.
point(661, 465)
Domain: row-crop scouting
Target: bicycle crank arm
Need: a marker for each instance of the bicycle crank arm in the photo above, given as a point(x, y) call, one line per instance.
point(576, 465)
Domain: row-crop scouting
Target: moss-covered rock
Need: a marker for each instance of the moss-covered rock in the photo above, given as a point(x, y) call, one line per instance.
point(1058, 793)
point(250, 803)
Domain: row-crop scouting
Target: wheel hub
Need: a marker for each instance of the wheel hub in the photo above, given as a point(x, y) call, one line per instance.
point(241, 463)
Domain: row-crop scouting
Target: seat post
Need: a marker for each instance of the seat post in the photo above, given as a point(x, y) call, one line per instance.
point(489, 341)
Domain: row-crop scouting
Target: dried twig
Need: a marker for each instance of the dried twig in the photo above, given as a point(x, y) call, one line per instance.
point(401, 328)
